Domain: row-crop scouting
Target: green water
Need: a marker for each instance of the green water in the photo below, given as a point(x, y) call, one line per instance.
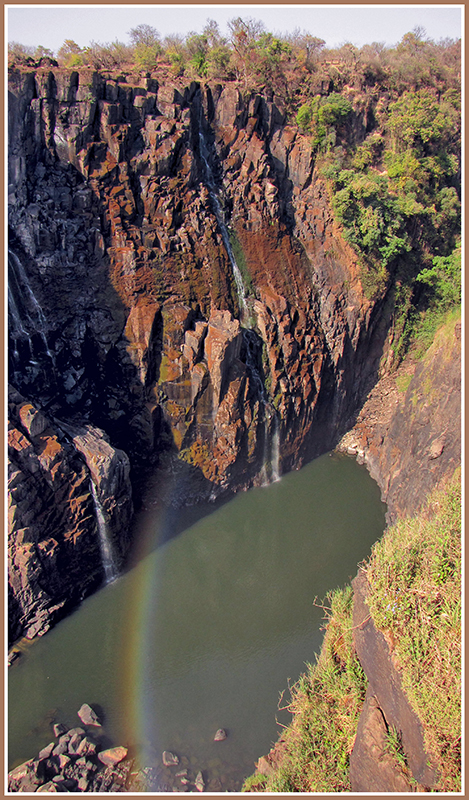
point(207, 629)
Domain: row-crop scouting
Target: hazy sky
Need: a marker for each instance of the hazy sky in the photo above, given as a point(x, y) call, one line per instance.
point(360, 24)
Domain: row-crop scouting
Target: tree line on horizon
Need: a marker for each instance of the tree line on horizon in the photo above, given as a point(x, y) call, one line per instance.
point(254, 56)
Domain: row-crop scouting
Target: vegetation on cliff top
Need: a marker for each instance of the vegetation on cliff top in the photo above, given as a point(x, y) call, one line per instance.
point(415, 600)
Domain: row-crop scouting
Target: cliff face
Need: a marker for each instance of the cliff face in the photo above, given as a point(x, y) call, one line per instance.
point(408, 432)
point(177, 282)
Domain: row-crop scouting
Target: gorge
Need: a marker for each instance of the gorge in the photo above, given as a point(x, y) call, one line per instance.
point(182, 301)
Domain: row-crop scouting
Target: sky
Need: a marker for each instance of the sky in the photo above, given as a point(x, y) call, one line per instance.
point(42, 24)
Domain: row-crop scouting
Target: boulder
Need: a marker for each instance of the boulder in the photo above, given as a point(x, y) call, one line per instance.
point(88, 716)
point(46, 751)
point(169, 759)
point(199, 782)
point(48, 787)
point(86, 747)
point(61, 748)
point(220, 735)
point(59, 728)
point(113, 756)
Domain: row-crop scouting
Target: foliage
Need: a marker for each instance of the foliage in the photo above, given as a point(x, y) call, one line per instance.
point(106, 56)
point(415, 576)
point(146, 55)
point(321, 116)
point(326, 704)
point(71, 54)
point(396, 196)
point(444, 279)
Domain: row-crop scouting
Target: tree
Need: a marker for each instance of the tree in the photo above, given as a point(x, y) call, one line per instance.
point(244, 33)
point(144, 35)
point(71, 54)
point(306, 47)
point(108, 56)
point(19, 53)
point(43, 52)
point(197, 48)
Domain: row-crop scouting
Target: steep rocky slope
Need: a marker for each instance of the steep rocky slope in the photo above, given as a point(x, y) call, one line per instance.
point(408, 433)
point(176, 282)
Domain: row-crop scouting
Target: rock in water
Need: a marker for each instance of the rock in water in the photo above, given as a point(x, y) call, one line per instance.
point(169, 759)
point(88, 716)
point(220, 735)
point(199, 782)
point(112, 756)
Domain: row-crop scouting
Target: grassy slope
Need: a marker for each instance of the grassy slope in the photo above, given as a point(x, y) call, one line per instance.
point(414, 571)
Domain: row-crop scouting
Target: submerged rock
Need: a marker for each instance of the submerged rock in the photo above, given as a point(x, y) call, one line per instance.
point(88, 716)
point(199, 782)
point(169, 759)
point(59, 729)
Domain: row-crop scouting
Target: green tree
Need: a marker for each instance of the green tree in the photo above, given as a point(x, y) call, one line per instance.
point(71, 54)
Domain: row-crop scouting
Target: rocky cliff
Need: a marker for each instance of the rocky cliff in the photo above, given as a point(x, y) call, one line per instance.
point(176, 284)
point(408, 432)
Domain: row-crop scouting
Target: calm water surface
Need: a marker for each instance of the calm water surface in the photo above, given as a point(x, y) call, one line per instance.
point(209, 627)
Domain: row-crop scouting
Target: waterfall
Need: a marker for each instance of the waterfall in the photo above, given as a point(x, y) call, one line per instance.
point(210, 183)
point(111, 571)
point(269, 412)
point(271, 458)
point(26, 321)
point(275, 454)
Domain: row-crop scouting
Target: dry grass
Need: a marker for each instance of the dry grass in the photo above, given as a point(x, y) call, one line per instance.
point(415, 578)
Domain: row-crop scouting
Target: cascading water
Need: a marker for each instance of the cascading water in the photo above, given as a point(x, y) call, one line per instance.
point(111, 571)
point(210, 183)
point(269, 411)
point(271, 428)
point(26, 322)
point(275, 454)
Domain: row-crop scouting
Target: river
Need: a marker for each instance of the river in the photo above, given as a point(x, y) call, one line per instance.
point(207, 629)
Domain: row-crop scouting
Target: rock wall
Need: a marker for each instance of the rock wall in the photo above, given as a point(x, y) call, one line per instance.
point(54, 556)
point(176, 278)
point(408, 432)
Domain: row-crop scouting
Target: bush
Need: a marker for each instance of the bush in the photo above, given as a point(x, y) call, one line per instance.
point(146, 55)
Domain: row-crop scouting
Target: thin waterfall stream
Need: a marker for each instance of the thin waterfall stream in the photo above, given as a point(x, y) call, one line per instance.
point(111, 571)
point(271, 453)
point(26, 317)
point(210, 183)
